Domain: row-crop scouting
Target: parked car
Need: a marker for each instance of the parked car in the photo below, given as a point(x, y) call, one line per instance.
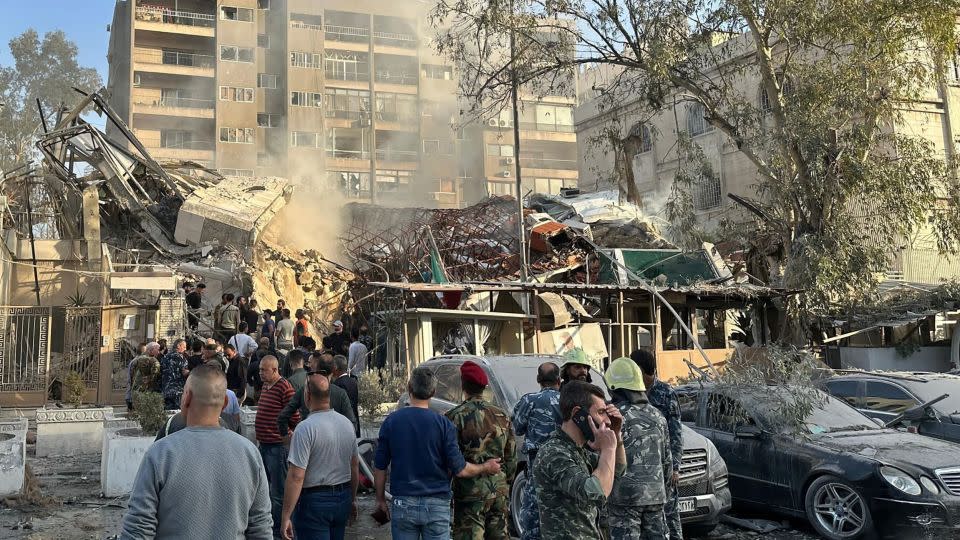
point(885, 395)
point(850, 477)
point(703, 491)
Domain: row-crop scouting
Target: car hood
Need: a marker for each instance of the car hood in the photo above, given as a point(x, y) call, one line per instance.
point(693, 440)
point(891, 446)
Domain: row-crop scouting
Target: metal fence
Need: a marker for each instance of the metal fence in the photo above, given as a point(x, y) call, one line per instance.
point(24, 348)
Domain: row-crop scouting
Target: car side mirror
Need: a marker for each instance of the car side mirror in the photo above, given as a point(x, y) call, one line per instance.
point(748, 432)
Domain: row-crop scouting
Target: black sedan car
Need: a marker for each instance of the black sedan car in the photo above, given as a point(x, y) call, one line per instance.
point(703, 491)
point(846, 474)
point(885, 395)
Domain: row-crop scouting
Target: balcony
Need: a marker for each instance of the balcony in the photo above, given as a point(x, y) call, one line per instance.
point(185, 107)
point(339, 75)
point(161, 19)
point(173, 62)
point(395, 39)
point(546, 163)
point(536, 126)
point(348, 34)
point(338, 153)
point(397, 155)
point(185, 150)
point(396, 78)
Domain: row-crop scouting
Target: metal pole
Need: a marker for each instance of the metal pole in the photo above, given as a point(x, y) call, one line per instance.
point(33, 245)
point(514, 97)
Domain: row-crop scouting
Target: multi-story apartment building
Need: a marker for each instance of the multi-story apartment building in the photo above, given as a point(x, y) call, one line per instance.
point(333, 94)
point(936, 118)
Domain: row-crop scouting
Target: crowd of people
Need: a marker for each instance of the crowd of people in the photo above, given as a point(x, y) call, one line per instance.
point(595, 469)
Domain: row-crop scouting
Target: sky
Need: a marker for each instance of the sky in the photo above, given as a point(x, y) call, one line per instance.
point(84, 21)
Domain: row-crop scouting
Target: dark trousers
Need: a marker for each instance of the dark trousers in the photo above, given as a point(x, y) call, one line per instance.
point(275, 462)
point(323, 515)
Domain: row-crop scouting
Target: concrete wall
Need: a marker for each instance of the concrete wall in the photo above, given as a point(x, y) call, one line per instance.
point(888, 359)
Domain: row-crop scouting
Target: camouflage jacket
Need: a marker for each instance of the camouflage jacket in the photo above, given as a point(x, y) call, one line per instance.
point(483, 432)
point(536, 417)
point(171, 374)
point(665, 400)
point(146, 374)
point(646, 442)
point(567, 492)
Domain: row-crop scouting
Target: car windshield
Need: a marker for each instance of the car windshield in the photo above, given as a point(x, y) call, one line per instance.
point(937, 387)
point(835, 415)
point(519, 379)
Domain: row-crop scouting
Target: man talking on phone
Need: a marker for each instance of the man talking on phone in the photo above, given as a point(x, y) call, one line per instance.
point(573, 483)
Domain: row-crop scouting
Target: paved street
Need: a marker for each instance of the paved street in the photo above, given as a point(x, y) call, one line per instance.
point(80, 514)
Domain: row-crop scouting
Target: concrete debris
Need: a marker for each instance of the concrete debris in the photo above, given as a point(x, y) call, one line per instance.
point(611, 223)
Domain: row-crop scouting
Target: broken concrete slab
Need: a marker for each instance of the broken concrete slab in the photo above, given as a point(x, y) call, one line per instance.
point(233, 212)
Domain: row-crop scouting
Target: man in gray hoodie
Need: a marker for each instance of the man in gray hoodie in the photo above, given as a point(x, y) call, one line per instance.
point(222, 495)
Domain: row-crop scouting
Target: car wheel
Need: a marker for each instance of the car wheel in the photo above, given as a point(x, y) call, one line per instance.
point(516, 501)
point(837, 510)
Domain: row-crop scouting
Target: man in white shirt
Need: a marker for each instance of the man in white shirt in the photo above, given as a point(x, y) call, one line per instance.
point(320, 494)
point(243, 343)
point(357, 355)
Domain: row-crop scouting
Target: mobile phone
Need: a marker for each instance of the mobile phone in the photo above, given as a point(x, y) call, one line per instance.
point(581, 420)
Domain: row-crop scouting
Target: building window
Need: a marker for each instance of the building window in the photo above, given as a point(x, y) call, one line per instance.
point(304, 139)
point(352, 184)
point(233, 93)
point(230, 53)
point(392, 107)
point(170, 138)
point(646, 139)
point(306, 99)
point(263, 41)
point(306, 22)
point(550, 118)
point(431, 147)
point(266, 120)
point(706, 192)
point(764, 100)
point(433, 71)
point(237, 135)
point(346, 66)
point(263, 4)
point(230, 13)
point(500, 150)
point(236, 172)
point(266, 80)
point(305, 60)
point(696, 120)
point(344, 103)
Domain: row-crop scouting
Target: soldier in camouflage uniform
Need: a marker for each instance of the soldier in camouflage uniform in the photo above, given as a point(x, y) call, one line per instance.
point(635, 507)
point(145, 370)
point(663, 397)
point(573, 482)
point(575, 366)
point(480, 504)
point(536, 417)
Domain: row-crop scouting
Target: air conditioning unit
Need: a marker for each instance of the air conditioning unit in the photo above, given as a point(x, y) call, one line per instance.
point(507, 161)
point(492, 122)
point(504, 123)
point(504, 174)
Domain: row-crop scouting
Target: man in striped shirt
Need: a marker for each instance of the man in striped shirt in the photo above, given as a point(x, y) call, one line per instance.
point(275, 395)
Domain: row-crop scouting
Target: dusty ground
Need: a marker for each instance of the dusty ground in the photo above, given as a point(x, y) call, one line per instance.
point(79, 513)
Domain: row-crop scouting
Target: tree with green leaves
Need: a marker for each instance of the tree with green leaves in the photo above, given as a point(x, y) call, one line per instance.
point(44, 69)
point(839, 188)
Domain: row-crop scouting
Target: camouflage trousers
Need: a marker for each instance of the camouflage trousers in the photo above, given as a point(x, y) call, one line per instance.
point(530, 510)
point(637, 522)
point(671, 513)
point(481, 520)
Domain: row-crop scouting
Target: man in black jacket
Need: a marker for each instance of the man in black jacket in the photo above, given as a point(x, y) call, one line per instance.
point(343, 379)
point(319, 363)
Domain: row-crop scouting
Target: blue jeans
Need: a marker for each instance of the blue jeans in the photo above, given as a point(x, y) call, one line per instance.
point(420, 518)
point(323, 514)
point(275, 462)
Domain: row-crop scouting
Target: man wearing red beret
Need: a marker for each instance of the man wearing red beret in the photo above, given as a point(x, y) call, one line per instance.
point(480, 504)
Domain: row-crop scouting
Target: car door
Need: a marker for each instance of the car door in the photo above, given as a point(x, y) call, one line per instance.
point(756, 472)
point(884, 400)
